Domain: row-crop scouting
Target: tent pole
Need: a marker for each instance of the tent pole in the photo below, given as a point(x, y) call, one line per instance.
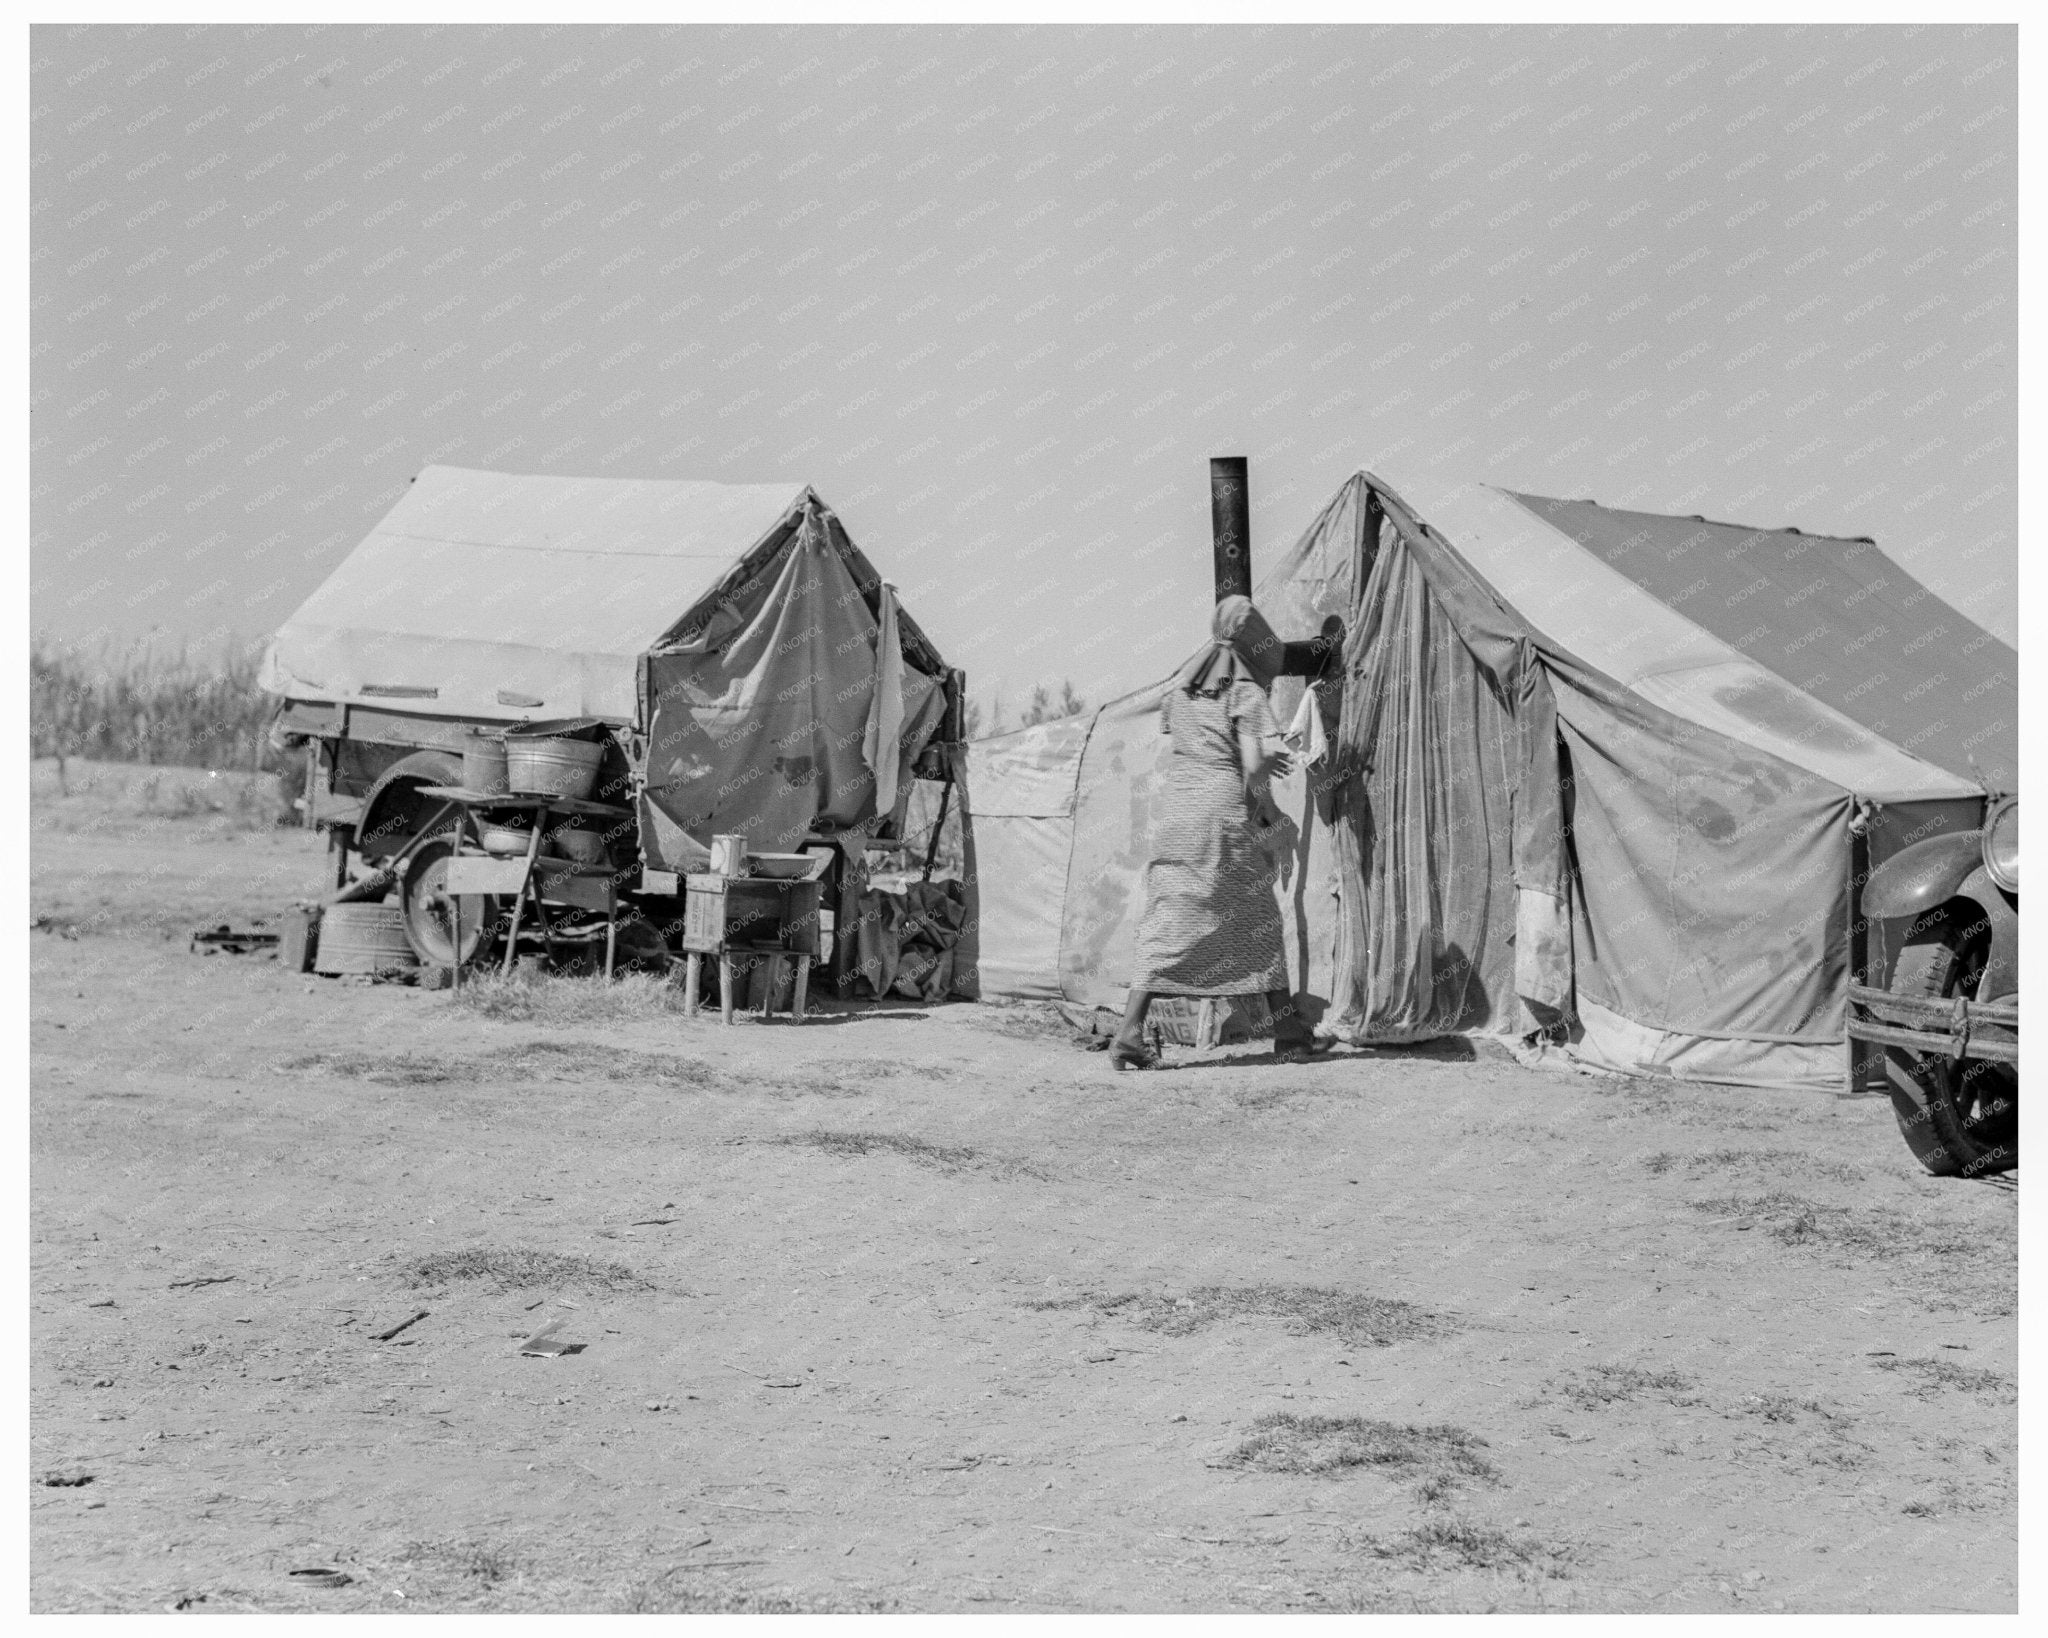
point(1866, 1060)
point(931, 851)
point(1375, 514)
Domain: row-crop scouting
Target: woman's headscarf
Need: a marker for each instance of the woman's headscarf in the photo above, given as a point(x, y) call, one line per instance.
point(1242, 646)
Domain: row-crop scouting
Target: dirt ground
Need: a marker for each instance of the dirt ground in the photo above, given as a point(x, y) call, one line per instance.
point(927, 1310)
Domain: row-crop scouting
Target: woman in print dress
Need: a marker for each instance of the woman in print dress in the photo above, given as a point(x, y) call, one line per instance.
point(1211, 926)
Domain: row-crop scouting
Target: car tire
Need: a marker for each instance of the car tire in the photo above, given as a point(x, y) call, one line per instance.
point(1959, 1119)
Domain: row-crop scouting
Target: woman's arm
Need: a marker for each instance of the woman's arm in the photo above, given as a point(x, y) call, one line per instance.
point(1260, 755)
point(1261, 752)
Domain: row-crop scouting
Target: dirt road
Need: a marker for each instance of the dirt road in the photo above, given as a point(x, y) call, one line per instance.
point(928, 1310)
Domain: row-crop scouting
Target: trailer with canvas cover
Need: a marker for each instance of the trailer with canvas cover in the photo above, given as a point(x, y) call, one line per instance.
point(741, 663)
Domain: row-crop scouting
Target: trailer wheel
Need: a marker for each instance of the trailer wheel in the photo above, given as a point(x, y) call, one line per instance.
point(429, 911)
point(1959, 1119)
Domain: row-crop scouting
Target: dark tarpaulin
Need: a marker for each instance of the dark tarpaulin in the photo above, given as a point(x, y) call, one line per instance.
point(755, 719)
point(1425, 830)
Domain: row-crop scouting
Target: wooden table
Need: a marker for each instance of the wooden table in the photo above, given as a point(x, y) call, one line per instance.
point(543, 881)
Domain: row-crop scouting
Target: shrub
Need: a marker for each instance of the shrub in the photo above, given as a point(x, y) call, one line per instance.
point(142, 705)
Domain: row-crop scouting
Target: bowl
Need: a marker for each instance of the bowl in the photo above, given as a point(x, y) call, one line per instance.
point(579, 846)
point(505, 841)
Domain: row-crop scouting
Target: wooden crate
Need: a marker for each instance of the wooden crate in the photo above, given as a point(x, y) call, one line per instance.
point(477, 873)
point(750, 913)
point(301, 938)
point(583, 886)
point(559, 881)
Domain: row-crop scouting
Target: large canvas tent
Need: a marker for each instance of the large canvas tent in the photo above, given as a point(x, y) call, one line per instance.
point(733, 631)
point(1598, 781)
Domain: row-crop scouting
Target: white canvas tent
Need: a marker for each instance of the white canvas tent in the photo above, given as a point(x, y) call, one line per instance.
point(1597, 775)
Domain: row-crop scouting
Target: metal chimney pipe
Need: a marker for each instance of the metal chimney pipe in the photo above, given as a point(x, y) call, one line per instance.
point(1230, 520)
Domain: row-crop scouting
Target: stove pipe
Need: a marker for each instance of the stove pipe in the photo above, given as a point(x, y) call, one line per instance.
point(1230, 519)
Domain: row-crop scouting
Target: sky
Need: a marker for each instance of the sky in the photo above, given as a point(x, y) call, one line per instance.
point(998, 293)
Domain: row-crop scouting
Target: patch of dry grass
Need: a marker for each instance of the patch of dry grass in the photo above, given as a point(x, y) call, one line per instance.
point(1955, 1265)
point(665, 1597)
point(385, 1068)
point(887, 1069)
point(524, 1061)
point(931, 1156)
point(478, 1560)
point(1936, 1374)
point(1781, 1160)
point(1873, 1232)
point(1799, 1433)
point(1463, 1544)
point(1441, 1456)
point(1357, 1319)
point(1783, 1407)
point(517, 1267)
point(588, 1060)
point(1599, 1386)
point(1686, 1103)
point(529, 996)
point(124, 798)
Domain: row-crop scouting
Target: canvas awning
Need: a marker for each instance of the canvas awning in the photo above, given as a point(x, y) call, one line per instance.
point(495, 595)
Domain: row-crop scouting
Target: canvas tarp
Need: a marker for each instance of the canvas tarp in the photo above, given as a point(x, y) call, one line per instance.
point(1817, 649)
point(1632, 847)
point(1020, 792)
point(1815, 621)
point(756, 720)
point(496, 595)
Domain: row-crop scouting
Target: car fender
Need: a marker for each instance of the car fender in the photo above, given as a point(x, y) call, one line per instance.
point(389, 816)
point(2001, 979)
point(1929, 873)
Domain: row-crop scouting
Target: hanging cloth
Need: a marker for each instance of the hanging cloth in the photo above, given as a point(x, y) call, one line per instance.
point(1305, 733)
point(881, 746)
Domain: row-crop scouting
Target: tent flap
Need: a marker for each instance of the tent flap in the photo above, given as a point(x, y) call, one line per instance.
point(1020, 879)
point(763, 734)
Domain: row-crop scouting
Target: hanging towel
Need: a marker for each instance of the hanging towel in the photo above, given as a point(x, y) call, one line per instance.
point(881, 746)
point(1305, 732)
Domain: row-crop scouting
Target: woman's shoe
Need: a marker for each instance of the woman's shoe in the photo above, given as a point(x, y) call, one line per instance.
point(1299, 1049)
point(1122, 1055)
